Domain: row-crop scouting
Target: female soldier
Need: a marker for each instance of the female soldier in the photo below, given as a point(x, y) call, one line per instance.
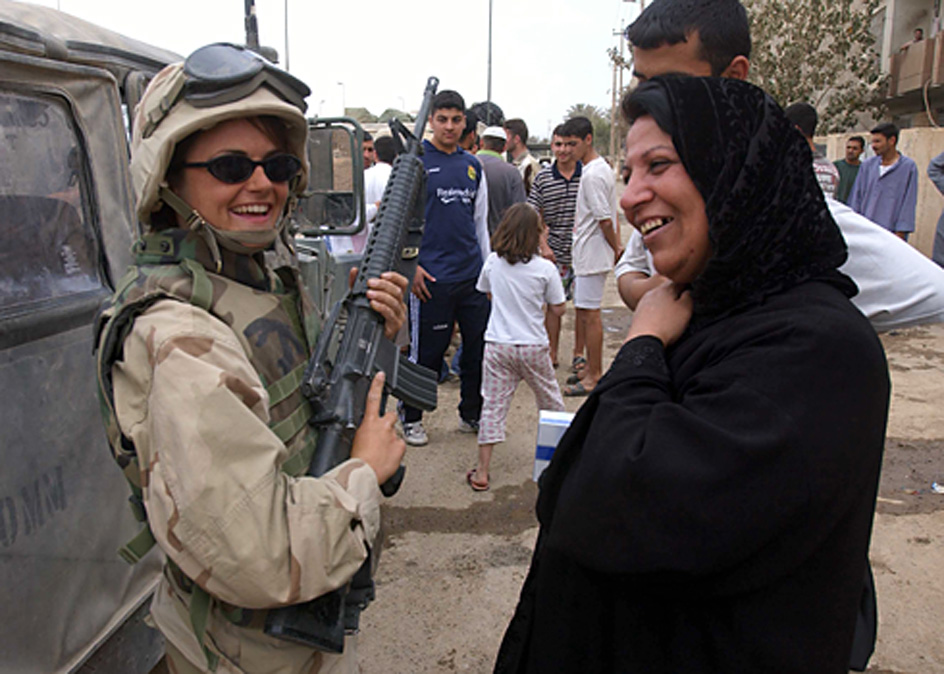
point(201, 356)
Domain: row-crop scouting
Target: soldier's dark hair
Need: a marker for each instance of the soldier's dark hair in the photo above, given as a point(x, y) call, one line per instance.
point(559, 130)
point(722, 27)
point(386, 149)
point(803, 116)
point(579, 127)
point(447, 99)
point(887, 129)
point(860, 140)
point(518, 128)
point(518, 235)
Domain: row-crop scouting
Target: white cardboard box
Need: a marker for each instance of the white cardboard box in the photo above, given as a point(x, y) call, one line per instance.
point(551, 426)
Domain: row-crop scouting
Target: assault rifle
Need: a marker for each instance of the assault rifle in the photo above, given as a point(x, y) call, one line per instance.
point(350, 350)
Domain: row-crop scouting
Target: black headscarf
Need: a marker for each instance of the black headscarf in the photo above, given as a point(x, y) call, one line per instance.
point(768, 224)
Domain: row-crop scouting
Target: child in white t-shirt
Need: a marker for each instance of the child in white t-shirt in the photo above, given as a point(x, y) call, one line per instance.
point(520, 282)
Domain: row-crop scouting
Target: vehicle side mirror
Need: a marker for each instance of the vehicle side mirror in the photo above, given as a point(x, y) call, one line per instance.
point(334, 200)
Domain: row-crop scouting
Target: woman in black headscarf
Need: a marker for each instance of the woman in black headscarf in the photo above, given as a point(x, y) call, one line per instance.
point(710, 508)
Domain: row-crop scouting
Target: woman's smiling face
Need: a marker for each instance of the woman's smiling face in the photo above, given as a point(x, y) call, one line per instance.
point(662, 202)
point(253, 205)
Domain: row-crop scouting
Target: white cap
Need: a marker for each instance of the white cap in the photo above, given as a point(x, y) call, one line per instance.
point(495, 132)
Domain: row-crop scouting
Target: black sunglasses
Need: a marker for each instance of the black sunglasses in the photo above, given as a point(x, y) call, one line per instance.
point(237, 168)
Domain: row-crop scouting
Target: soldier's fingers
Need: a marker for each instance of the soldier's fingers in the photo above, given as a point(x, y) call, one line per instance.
point(378, 299)
point(388, 311)
point(387, 286)
point(374, 395)
point(396, 278)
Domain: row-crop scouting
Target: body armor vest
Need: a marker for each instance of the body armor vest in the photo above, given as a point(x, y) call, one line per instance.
point(268, 312)
point(275, 323)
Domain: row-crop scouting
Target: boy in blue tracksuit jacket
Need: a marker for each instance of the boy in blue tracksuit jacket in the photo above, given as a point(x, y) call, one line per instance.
point(455, 244)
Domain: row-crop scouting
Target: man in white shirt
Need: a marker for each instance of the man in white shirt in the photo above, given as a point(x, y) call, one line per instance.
point(375, 182)
point(898, 286)
point(376, 177)
point(596, 249)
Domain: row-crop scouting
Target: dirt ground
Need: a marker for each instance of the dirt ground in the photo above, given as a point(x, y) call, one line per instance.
point(454, 560)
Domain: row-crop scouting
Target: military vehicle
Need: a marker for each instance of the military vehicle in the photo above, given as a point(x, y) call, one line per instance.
point(68, 602)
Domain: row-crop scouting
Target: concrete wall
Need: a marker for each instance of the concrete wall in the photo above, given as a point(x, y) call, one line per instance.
point(921, 145)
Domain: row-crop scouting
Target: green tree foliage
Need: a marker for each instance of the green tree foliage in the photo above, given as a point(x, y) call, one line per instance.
point(600, 120)
point(821, 52)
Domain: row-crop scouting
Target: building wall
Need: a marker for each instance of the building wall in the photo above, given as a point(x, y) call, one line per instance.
point(921, 145)
point(895, 21)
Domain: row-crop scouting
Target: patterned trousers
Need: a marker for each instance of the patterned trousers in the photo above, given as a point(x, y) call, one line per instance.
point(503, 367)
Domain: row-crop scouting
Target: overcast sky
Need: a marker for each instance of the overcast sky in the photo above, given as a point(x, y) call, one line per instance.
point(546, 54)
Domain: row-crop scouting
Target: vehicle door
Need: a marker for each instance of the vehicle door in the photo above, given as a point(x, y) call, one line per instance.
point(66, 229)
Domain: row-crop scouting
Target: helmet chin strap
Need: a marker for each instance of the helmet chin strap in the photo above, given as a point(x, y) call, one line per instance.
point(242, 242)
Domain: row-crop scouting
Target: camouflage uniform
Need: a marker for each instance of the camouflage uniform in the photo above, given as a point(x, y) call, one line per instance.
point(221, 442)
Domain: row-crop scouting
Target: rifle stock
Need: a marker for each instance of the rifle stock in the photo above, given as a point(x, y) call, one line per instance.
point(350, 350)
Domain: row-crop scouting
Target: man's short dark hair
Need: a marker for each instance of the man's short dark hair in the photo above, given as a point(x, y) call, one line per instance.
point(558, 130)
point(471, 124)
point(367, 136)
point(518, 128)
point(386, 149)
point(887, 129)
point(860, 140)
point(723, 29)
point(579, 127)
point(447, 99)
point(803, 116)
point(493, 144)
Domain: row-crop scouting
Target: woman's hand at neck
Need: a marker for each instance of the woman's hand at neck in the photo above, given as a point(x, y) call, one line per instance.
point(663, 313)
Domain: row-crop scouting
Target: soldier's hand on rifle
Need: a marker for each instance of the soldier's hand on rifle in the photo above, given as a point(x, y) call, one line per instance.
point(386, 298)
point(419, 284)
point(377, 442)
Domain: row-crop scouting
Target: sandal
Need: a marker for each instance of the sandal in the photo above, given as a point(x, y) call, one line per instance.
point(573, 379)
point(577, 364)
point(576, 390)
point(476, 486)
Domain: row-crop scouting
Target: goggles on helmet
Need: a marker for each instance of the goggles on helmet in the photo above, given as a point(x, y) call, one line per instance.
point(237, 168)
point(221, 73)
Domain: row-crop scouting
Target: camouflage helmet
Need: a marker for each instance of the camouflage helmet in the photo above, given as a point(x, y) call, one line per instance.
point(178, 103)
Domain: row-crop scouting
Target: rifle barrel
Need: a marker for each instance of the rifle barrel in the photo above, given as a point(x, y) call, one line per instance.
point(431, 85)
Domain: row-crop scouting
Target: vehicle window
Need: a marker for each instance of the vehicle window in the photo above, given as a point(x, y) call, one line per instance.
point(48, 248)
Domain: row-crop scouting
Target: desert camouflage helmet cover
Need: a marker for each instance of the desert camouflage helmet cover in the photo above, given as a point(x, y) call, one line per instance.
point(153, 146)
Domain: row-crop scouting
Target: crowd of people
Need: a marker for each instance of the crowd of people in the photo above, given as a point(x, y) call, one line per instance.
point(709, 508)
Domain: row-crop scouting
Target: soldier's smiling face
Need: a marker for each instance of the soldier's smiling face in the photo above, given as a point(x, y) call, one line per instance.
point(253, 205)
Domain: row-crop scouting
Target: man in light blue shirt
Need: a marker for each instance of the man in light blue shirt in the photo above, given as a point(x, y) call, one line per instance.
point(886, 189)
